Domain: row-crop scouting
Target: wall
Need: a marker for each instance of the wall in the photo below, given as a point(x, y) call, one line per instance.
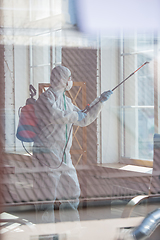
point(16, 68)
point(110, 112)
point(83, 63)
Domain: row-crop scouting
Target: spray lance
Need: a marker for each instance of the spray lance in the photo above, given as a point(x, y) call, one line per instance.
point(88, 107)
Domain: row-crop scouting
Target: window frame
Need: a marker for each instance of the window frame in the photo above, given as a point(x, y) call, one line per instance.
point(130, 160)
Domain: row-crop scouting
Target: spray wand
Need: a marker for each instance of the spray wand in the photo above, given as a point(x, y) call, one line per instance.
point(88, 107)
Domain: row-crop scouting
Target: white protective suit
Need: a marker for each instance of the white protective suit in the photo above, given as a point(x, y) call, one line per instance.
point(56, 113)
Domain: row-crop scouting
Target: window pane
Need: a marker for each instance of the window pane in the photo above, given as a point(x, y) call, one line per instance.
point(138, 99)
point(41, 75)
point(146, 78)
point(40, 50)
point(138, 132)
point(145, 133)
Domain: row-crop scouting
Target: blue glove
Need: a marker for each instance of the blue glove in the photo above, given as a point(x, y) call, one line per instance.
point(81, 115)
point(105, 96)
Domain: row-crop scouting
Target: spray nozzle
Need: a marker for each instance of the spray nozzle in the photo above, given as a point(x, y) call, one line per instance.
point(86, 108)
point(32, 91)
point(31, 100)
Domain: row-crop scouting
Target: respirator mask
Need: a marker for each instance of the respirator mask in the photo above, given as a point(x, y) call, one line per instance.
point(69, 84)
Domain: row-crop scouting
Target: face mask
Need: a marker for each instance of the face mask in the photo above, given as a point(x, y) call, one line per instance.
point(69, 85)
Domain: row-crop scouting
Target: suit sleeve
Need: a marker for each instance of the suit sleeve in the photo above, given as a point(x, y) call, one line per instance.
point(91, 115)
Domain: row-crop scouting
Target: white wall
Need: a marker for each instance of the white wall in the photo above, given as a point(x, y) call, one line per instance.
point(9, 99)
point(130, 98)
point(110, 112)
point(16, 68)
point(16, 91)
point(21, 83)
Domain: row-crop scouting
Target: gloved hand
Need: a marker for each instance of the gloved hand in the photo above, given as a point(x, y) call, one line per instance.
point(81, 115)
point(105, 96)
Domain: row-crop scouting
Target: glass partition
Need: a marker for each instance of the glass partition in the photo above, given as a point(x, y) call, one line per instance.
point(77, 143)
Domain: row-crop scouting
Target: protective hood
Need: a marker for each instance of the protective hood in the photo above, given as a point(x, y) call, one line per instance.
point(59, 78)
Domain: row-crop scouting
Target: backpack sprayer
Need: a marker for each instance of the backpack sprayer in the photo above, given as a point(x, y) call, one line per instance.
point(28, 123)
point(27, 127)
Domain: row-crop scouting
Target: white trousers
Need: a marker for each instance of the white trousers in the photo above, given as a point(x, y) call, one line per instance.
point(61, 184)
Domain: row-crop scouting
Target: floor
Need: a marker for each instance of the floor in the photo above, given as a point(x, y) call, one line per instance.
point(94, 222)
point(98, 212)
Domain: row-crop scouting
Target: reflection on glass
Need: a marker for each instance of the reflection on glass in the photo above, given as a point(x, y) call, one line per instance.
point(42, 35)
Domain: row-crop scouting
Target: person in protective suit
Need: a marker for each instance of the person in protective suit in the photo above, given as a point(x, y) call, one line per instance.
point(56, 113)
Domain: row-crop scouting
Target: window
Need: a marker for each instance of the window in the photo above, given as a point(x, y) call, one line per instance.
point(130, 118)
point(40, 59)
point(138, 98)
point(45, 53)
